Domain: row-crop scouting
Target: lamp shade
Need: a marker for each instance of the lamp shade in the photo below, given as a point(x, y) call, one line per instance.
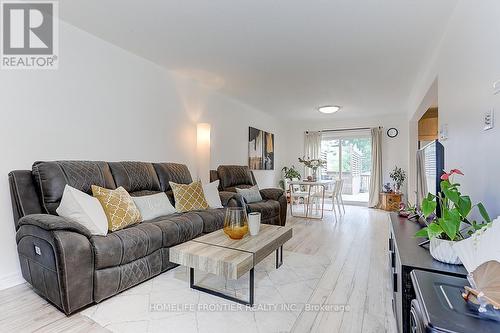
point(203, 151)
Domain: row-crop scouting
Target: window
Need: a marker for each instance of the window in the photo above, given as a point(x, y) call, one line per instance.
point(348, 157)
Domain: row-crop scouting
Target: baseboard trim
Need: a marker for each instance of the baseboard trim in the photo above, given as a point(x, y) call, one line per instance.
point(11, 280)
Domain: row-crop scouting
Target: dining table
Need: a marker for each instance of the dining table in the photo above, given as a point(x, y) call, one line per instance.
point(322, 184)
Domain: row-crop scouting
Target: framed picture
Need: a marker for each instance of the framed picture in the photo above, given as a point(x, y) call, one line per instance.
point(268, 158)
point(260, 149)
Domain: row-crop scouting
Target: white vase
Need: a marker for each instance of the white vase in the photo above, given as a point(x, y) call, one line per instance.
point(254, 223)
point(314, 175)
point(442, 250)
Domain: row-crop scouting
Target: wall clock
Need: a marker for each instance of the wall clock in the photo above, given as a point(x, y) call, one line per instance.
point(392, 132)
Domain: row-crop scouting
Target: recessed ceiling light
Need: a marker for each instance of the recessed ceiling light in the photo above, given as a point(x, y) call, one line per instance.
point(329, 108)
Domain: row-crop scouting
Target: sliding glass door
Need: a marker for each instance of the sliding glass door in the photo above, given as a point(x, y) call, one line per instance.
point(348, 157)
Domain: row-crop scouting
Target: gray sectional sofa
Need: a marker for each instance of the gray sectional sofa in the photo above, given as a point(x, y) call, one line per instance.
point(72, 269)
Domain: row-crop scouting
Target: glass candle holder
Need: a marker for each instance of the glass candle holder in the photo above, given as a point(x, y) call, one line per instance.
point(236, 223)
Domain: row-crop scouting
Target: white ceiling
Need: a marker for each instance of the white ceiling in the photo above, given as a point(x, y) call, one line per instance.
point(284, 57)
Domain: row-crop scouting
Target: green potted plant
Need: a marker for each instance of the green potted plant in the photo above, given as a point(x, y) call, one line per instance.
point(289, 173)
point(454, 222)
point(398, 175)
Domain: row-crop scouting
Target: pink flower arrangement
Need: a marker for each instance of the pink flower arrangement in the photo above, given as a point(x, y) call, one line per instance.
point(447, 175)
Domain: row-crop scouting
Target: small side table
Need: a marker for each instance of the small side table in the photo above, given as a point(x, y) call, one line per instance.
point(390, 201)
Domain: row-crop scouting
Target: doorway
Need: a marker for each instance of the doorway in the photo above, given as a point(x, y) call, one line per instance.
point(428, 127)
point(348, 157)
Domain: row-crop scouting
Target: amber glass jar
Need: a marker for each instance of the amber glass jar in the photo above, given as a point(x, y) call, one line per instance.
point(236, 223)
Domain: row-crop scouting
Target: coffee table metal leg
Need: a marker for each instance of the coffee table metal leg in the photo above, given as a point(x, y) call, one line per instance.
point(279, 257)
point(222, 295)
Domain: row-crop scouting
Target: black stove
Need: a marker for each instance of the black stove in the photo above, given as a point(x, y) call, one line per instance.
point(439, 306)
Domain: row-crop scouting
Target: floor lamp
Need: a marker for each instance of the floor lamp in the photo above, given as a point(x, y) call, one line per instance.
point(203, 152)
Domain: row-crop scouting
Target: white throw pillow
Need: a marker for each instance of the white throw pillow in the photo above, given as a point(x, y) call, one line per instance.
point(211, 192)
point(83, 209)
point(153, 206)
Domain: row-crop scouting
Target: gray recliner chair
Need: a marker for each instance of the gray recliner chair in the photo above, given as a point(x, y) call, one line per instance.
point(273, 207)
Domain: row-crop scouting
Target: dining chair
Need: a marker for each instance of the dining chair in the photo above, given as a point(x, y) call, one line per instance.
point(339, 186)
point(329, 194)
point(335, 194)
point(339, 194)
point(296, 193)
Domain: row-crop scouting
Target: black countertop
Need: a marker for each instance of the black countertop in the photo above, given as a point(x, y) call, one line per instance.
point(413, 255)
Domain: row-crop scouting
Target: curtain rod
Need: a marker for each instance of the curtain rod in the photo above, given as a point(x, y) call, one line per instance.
point(346, 129)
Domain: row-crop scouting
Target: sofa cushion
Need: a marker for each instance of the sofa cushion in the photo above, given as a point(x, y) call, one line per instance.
point(172, 172)
point(232, 176)
point(213, 219)
point(52, 177)
point(135, 176)
point(267, 208)
point(126, 245)
point(112, 280)
point(178, 228)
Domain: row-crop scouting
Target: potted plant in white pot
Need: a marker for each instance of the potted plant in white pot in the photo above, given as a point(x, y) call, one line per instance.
point(454, 223)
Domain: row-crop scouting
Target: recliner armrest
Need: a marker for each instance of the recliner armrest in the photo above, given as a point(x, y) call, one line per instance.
point(231, 199)
point(57, 259)
point(52, 223)
point(272, 193)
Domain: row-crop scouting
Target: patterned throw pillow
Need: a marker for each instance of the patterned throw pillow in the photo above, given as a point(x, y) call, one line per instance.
point(189, 197)
point(118, 206)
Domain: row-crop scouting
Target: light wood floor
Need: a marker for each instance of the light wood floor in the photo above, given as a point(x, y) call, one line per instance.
point(357, 279)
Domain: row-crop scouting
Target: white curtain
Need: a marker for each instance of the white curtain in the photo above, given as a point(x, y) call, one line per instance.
point(312, 148)
point(376, 177)
point(421, 177)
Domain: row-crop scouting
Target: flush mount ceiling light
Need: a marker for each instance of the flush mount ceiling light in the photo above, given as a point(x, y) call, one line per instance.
point(329, 108)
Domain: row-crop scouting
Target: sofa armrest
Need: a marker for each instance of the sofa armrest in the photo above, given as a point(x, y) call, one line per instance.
point(272, 193)
point(57, 260)
point(279, 195)
point(231, 199)
point(53, 223)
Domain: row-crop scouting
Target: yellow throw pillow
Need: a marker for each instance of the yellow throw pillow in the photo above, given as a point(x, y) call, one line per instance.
point(189, 197)
point(118, 206)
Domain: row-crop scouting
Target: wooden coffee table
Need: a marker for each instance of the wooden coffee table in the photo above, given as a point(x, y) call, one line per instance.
point(216, 253)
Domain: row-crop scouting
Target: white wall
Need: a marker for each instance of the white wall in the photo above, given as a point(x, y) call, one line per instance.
point(466, 64)
point(104, 103)
point(394, 150)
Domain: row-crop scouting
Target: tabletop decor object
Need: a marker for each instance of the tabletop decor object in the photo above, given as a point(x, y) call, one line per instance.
point(405, 210)
point(313, 164)
point(445, 228)
point(254, 223)
point(485, 287)
point(236, 223)
point(398, 175)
